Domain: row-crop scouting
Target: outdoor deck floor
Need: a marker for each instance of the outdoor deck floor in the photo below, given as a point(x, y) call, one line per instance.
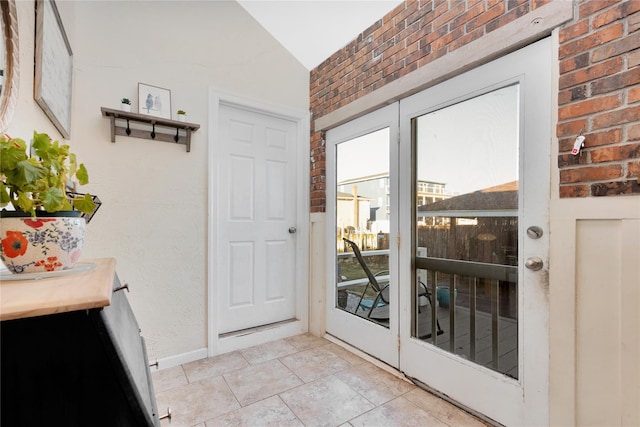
point(507, 349)
point(507, 337)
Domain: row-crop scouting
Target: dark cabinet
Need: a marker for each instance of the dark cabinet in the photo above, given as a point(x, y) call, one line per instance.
point(84, 367)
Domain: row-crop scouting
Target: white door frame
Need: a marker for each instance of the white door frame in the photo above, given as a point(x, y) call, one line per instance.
point(367, 336)
point(215, 344)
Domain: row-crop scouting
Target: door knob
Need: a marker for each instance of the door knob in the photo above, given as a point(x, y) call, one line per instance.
point(534, 263)
point(292, 230)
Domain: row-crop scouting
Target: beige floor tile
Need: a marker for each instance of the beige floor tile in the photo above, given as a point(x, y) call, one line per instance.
point(442, 409)
point(268, 351)
point(214, 366)
point(325, 402)
point(315, 363)
point(302, 380)
point(265, 413)
point(345, 354)
point(377, 385)
point(197, 402)
point(398, 412)
point(168, 378)
point(258, 382)
point(306, 341)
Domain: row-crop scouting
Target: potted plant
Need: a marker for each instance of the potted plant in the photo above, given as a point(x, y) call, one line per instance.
point(125, 104)
point(45, 231)
point(182, 115)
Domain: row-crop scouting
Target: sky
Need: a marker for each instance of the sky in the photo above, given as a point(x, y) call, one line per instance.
point(468, 146)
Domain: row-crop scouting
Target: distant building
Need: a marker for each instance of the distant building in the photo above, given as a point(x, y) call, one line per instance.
point(372, 210)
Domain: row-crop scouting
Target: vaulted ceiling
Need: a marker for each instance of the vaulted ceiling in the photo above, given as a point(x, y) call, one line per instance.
point(312, 30)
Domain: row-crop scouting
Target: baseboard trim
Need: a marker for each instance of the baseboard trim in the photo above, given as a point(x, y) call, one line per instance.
point(259, 335)
point(179, 359)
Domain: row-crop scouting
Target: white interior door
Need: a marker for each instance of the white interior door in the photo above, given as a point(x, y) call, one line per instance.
point(361, 207)
point(256, 219)
point(474, 185)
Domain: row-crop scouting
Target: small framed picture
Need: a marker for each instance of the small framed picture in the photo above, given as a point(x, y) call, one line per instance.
point(154, 101)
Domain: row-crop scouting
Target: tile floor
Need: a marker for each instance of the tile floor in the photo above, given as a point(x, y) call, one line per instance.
point(297, 381)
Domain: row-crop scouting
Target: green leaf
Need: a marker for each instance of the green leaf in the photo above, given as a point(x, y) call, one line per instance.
point(73, 164)
point(12, 152)
point(4, 194)
point(25, 203)
point(82, 174)
point(29, 171)
point(52, 199)
point(41, 143)
point(84, 204)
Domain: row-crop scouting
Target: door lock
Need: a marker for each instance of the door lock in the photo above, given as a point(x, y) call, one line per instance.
point(534, 263)
point(292, 230)
point(534, 232)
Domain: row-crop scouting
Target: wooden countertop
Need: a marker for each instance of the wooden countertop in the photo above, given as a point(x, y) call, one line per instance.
point(78, 291)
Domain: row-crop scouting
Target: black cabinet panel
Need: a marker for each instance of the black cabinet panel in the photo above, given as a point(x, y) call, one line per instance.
point(119, 330)
point(82, 368)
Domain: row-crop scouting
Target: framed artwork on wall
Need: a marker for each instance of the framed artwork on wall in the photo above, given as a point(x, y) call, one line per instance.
point(53, 67)
point(154, 101)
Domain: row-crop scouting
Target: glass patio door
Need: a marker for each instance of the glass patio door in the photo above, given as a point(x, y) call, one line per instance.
point(362, 290)
point(475, 198)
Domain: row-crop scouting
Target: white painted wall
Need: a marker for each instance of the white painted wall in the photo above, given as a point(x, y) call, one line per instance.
point(154, 214)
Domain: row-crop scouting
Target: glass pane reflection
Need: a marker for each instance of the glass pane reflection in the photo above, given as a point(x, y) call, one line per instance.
point(466, 229)
point(362, 217)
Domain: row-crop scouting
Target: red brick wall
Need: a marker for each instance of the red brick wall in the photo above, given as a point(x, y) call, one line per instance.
point(599, 82)
point(599, 94)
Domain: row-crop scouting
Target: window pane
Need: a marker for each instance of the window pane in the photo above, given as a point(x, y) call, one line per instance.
point(466, 229)
point(362, 217)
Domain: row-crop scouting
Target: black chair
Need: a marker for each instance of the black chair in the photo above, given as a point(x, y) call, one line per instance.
point(379, 310)
point(381, 299)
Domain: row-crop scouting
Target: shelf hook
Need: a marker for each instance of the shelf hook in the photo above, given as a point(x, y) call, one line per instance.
point(128, 130)
point(177, 137)
point(153, 132)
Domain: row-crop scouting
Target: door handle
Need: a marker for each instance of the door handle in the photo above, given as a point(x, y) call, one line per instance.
point(534, 263)
point(292, 230)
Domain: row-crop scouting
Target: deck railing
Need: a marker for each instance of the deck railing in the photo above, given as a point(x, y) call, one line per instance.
point(454, 273)
point(454, 276)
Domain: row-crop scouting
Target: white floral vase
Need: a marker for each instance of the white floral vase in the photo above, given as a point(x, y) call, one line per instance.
point(125, 107)
point(182, 117)
point(41, 244)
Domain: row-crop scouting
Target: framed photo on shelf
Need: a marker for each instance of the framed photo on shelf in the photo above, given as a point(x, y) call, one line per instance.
point(53, 67)
point(154, 101)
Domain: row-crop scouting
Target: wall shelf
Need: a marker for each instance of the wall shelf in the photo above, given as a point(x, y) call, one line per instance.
point(121, 125)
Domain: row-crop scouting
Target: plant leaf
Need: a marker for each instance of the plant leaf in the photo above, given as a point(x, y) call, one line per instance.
point(82, 174)
point(84, 204)
point(52, 199)
point(25, 203)
point(13, 151)
point(4, 194)
point(28, 172)
point(41, 143)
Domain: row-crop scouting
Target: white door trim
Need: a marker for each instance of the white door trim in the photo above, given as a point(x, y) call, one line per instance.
point(367, 336)
point(215, 344)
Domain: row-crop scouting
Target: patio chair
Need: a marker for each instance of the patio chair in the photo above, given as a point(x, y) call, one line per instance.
point(377, 309)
